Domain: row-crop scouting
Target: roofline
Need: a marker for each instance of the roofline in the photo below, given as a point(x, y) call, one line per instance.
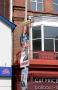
point(10, 24)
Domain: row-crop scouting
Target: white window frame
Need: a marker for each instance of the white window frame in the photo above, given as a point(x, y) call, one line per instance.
point(42, 24)
point(35, 1)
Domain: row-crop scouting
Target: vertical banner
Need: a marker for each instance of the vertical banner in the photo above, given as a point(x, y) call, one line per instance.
point(24, 77)
point(24, 40)
point(24, 61)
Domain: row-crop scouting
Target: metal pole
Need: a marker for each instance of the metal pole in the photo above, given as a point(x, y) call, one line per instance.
point(25, 10)
point(24, 71)
point(11, 8)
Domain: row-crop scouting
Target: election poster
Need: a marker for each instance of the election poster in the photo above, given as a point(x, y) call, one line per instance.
point(24, 60)
point(24, 78)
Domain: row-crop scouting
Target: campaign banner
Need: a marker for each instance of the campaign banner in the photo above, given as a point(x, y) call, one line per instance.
point(24, 77)
point(5, 71)
point(24, 61)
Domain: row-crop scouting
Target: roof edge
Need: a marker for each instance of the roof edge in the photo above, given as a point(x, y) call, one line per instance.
point(9, 23)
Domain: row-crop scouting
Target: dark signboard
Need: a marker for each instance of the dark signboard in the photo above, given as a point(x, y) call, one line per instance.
point(42, 86)
point(5, 71)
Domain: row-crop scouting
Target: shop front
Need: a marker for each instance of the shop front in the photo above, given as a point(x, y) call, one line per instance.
point(43, 55)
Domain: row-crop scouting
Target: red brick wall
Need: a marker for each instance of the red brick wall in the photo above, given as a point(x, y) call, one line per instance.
point(19, 2)
point(16, 39)
point(48, 6)
point(4, 8)
point(0, 6)
point(18, 21)
point(7, 9)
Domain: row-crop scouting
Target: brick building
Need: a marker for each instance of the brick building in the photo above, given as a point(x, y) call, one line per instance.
point(5, 8)
point(43, 33)
point(42, 7)
point(43, 43)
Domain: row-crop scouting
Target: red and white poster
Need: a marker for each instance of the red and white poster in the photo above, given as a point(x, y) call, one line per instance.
point(24, 61)
point(24, 77)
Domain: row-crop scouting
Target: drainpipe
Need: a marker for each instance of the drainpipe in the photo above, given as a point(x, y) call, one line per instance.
point(26, 10)
point(11, 10)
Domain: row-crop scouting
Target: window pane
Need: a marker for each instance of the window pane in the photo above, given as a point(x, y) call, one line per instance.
point(55, 1)
point(56, 45)
point(33, 6)
point(55, 8)
point(37, 45)
point(39, 6)
point(39, 0)
point(48, 45)
point(50, 32)
point(36, 32)
point(34, 0)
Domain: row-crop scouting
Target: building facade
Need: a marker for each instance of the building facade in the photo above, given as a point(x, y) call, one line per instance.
point(41, 7)
point(43, 32)
point(6, 28)
point(4, 8)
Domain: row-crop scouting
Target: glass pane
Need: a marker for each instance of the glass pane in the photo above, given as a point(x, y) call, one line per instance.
point(39, 0)
point(34, 0)
point(33, 6)
point(37, 45)
point(50, 32)
point(55, 7)
point(36, 32)
point(55, 1)
point(48, 45)
point(39, 6)
point(56, 45)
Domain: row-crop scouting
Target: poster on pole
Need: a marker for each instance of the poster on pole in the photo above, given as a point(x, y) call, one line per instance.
point(24, 77)
point(24, 61)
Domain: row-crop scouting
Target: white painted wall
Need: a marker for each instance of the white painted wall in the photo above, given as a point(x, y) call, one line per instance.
point(5, 45)
point(5, 53)
point(5, 84)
